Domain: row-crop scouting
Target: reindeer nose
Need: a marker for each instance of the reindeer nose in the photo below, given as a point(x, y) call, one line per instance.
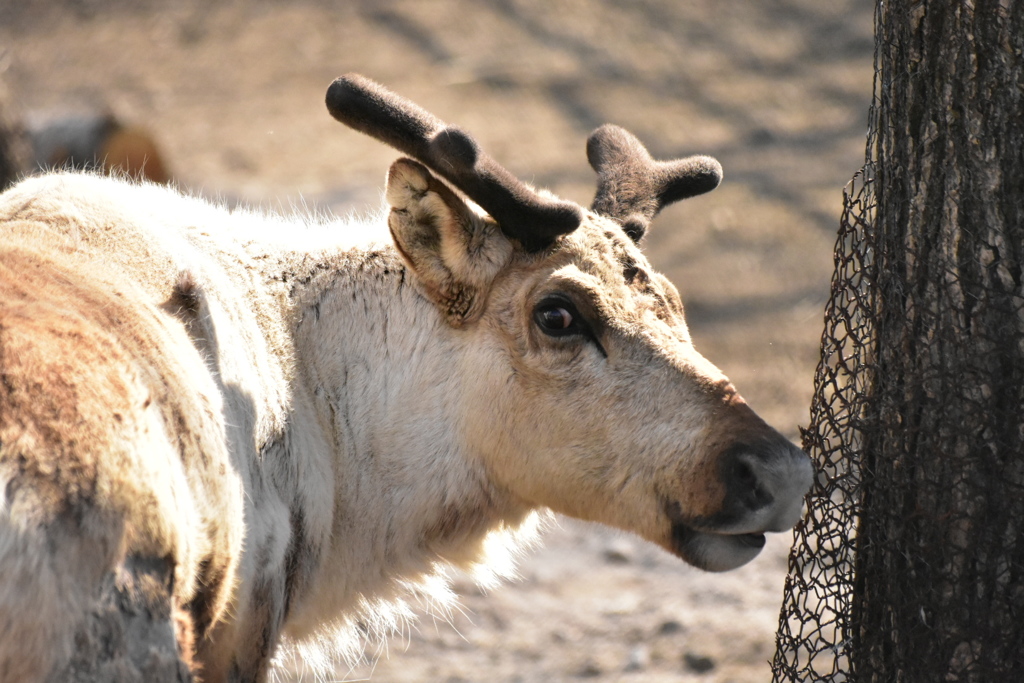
point(746, 483)
point(765, 483)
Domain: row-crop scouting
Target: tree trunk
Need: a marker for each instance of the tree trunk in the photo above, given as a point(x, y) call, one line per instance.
point(909, 566)
point(939, 593)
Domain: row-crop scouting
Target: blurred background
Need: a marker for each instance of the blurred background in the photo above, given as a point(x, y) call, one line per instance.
point(230, 95)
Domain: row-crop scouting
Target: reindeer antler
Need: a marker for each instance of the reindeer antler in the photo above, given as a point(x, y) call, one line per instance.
point(521, 212)
point(632, 187)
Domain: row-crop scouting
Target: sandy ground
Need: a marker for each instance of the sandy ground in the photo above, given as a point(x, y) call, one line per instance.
point(776, 89)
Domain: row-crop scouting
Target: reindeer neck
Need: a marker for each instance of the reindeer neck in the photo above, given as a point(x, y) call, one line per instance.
point(382, 368)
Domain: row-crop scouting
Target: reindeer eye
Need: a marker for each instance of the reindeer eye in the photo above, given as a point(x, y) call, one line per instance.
point(557, 316)
point(553, 319)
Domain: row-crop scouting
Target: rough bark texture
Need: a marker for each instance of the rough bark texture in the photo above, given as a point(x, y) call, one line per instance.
point(940, 590)
point(910, 565)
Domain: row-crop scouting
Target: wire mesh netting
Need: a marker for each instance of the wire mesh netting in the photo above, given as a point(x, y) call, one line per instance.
point(910, 563)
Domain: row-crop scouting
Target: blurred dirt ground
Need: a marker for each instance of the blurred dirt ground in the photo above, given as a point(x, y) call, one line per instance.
point(778, 90)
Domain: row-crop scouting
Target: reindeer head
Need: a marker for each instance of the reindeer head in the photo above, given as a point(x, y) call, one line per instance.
point(583, 391)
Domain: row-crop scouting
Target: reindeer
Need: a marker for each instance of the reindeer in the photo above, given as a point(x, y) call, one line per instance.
point(224, 431)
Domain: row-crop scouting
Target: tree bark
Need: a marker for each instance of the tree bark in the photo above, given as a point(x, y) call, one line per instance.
point(939, 589)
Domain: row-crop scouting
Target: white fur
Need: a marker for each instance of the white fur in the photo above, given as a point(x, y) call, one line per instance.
point(368, 436)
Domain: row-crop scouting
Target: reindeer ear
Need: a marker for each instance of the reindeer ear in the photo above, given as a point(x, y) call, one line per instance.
point(454, 252)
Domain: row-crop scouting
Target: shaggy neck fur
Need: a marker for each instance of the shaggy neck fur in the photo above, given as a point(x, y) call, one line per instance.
point(408, 495)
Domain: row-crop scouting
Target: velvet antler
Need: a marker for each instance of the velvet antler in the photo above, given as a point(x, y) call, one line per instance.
point(521, 212)
point(632, 187)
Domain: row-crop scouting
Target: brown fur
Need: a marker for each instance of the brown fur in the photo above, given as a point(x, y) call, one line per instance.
point(82, 363)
